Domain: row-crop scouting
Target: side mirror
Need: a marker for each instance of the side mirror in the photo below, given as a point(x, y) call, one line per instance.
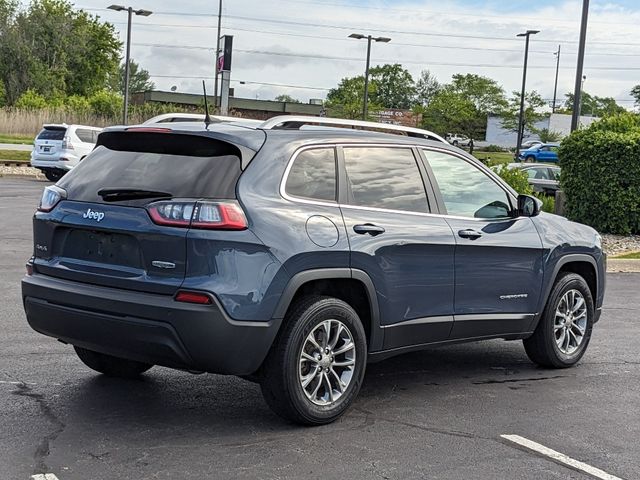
point(528, 206)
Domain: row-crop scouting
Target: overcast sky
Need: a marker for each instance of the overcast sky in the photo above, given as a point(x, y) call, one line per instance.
point(288, 41)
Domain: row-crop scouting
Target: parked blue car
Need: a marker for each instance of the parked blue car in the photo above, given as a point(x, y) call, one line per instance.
point(547, 152)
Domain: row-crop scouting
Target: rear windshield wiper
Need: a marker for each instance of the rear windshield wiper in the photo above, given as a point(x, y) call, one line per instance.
point(120, 194)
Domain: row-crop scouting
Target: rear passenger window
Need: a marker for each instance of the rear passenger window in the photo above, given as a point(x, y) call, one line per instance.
point(384, 177)
point(313, 175)
point(85, 135)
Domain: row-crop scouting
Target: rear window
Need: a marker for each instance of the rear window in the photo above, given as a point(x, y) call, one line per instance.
point(186, 166)
point(52, 134)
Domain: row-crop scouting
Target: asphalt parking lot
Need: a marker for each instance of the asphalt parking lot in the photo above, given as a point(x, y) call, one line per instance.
point(437, 414)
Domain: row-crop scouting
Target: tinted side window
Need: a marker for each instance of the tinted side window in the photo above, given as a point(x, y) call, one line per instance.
point(85, 135)
point(313, 175)
point(466, 190)
point(384, 178)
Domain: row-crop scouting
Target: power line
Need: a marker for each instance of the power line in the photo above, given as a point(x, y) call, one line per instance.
point(386, 9)
point(342, 27)
point(396, 60)
point(205, 77)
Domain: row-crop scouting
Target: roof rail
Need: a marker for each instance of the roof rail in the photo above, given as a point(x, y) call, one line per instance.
point(295, 122)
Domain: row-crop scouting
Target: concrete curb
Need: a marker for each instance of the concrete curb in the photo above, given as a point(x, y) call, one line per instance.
point(621, 265)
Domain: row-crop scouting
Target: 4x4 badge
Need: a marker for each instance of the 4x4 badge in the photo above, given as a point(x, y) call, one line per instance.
point(93, 215)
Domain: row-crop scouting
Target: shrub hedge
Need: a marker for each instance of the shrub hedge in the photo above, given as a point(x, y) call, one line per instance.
point(601, 174)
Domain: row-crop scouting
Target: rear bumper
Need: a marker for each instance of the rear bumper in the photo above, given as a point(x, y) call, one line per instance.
point(146, 327)
point(54, 161)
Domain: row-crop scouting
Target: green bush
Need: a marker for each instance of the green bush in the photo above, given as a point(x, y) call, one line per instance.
point(30, 100)
point(492, 148)
point(516, 178)
point(601, 174)
point(548, 202)
point(105, 103)
point(77, 104)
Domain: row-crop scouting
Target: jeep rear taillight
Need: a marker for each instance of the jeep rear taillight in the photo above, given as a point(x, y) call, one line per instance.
point(66, 144)
point(213, 215)
point(51, 197)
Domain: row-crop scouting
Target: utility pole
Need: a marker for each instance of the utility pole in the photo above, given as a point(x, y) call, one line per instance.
point(577, 92)
point(555, 89)
point(215, 86)
point(527, 34)
point(358, 36)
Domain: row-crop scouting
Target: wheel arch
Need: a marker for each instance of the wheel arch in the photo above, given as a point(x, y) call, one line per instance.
point(581, 264)
point(350, 285)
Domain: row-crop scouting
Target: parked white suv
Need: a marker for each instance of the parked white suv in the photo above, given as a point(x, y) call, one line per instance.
point(60, 147)
point(457, 140)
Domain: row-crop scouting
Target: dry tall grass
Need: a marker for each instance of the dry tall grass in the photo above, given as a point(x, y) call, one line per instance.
point(23, 122)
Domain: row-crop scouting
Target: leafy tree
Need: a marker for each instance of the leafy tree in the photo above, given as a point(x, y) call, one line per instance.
point(395, 87)
point(427, 87)
point(450, 111)
point(346, 100)
point(635, 93)
point(53, 49)
point(390, 86)
point(533, 103)
point(286, 98)
point(486, 94)
point(549, 136)
point(139, 80)
point(593, 105)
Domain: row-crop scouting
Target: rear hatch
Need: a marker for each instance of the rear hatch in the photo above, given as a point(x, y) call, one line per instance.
point(103, 232)
point(48, 143)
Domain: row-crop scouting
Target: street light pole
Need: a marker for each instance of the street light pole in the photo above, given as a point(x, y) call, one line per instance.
point(358, 36)
point(130, 11)
point(125, 110)
point(215, 86)
point(365, 108)
point(577, 92)
point(555, 89)
point(527, 34)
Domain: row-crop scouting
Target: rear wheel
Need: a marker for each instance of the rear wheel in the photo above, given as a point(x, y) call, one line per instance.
point(111, 366)
point(316, 366)
point(53, 175)
point(564, 331)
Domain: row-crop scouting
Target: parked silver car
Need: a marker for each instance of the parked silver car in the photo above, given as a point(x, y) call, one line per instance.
point(544, 178)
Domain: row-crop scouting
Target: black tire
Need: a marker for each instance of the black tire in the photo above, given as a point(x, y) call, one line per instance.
point(111, 366)
point(542, 347)
point(530, 159)
point(52, 175)
point(280, 381)
point(455, 143)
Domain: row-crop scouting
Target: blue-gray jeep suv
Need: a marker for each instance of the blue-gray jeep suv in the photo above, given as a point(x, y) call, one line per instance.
point(293, 254)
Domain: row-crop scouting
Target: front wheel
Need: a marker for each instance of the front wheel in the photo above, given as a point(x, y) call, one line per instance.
point(316, 366)
point(530, 159)
point(111, 366)
point(563, 333)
